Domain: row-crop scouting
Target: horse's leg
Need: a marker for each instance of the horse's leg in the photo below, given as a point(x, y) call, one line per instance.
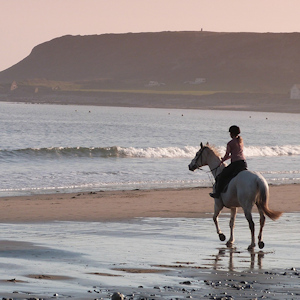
point(261, 244)
point(248, 216)
point(231, 225)
point(218, 207)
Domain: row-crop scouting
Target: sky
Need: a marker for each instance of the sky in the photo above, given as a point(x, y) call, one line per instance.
point(27, 23)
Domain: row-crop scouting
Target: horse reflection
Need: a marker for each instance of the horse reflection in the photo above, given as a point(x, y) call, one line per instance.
point(233, 252)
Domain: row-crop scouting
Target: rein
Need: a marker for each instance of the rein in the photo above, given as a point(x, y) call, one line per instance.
point(210, 170)
point(209, 173)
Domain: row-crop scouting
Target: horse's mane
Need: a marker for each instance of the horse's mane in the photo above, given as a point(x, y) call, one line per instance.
point(214, 150)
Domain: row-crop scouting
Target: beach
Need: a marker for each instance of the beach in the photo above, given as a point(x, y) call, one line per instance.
point(106, 203)
point(226, 273)
point(120, 205)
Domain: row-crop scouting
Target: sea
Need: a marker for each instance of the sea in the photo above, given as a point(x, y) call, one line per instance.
point(65, 148)
point(48, 148)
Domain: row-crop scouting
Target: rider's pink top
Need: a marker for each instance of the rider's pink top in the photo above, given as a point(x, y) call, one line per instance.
point(234, 151)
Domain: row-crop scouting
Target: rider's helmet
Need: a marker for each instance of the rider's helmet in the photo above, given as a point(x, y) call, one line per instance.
point(235, 130)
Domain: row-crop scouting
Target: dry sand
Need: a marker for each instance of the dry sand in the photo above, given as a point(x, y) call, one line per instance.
point(206, 283)
point(118, 205)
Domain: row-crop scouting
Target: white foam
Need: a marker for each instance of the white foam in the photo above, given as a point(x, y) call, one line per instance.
point(284, 150)
point(158, 152)
point(190, 151)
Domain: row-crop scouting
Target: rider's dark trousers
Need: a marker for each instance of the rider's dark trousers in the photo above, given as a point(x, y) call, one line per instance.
point(228, 173)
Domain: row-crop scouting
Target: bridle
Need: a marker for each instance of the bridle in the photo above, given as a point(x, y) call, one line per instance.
point(199, 156)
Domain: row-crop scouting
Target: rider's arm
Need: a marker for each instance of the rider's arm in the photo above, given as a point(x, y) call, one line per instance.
point(227, 154)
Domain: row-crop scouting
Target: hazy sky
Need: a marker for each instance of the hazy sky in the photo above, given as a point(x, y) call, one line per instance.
point(27, 23)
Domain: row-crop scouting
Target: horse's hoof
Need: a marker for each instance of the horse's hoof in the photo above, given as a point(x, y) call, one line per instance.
point(222, 237)
point(251, 247)
point(229, 244)
point(261, 244)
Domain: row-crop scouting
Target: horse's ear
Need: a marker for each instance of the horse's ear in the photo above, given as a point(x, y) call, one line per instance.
point(207, 144)
point(201, 145)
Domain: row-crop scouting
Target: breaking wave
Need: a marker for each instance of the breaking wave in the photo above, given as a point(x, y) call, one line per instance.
point(148, 152)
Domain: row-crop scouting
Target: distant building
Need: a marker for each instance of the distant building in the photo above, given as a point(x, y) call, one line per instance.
point(13, 86)
point(196, 81)
point(295, 91)
point(154, 83)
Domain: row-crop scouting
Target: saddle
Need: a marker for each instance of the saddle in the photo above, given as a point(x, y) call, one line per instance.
point(229, 178)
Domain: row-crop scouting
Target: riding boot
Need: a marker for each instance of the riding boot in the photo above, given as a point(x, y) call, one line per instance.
point(216, 193)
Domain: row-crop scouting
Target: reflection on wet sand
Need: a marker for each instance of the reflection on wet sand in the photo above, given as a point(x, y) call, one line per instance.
point(232, 253)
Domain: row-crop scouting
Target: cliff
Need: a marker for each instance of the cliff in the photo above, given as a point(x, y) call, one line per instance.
point(227, 62)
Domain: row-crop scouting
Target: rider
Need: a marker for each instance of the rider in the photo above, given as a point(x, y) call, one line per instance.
point(234, 151)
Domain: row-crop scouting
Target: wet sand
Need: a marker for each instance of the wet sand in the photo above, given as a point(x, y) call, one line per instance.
point(143, 244)
point(148, 258)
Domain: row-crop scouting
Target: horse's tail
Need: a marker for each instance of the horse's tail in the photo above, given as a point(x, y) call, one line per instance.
point(262, 200)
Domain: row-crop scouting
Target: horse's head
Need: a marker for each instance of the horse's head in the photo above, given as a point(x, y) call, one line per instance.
point(200, 158)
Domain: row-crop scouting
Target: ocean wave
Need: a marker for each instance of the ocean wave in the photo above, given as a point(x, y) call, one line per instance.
point(265, 151)
point(285, 150)
point(57, 152)
point(148, 152)
point(105, 152)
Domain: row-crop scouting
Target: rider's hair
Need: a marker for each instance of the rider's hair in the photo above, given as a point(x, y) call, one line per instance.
point(235, 131)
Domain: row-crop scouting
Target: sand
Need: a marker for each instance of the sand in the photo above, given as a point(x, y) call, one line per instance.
point(194, 281)
point(118, 205)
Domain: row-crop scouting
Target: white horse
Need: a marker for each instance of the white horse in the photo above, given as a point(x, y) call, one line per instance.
point(244, 190)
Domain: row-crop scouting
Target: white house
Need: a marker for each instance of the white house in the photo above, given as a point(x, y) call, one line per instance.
point(196, 81)
point(155, 83)
point(295, 91)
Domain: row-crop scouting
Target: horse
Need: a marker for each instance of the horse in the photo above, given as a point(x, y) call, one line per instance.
point(244, 190)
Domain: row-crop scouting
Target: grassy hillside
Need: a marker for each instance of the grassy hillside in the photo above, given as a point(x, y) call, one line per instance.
point(228, 62)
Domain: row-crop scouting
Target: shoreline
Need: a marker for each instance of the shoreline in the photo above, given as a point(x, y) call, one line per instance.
point(219, 101)
point(127, 204)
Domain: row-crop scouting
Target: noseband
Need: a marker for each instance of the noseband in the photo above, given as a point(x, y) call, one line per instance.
point(199, 156)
